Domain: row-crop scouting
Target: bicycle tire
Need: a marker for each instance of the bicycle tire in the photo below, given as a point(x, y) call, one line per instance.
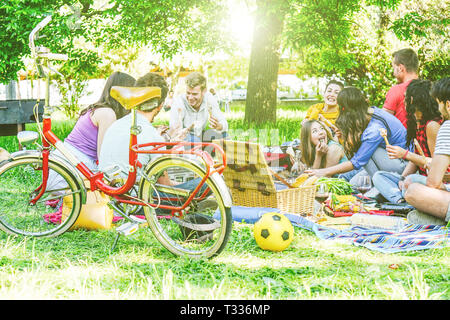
point(167, 228)
point(19, 179)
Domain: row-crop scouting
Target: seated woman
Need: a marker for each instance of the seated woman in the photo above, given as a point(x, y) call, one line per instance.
point(359, 126)
point(328, 109)
point(319, 150)
point(86, 137)
point(424, 121)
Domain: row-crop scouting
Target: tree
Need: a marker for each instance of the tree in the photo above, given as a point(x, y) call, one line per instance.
point(264, 61)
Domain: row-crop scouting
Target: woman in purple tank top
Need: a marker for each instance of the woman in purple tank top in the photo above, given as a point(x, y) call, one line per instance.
point(87, 135)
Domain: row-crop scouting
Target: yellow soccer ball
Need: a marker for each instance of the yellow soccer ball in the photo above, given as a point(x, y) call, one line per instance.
point(273, 232)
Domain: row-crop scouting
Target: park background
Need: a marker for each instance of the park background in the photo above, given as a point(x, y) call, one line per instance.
point(273, 50)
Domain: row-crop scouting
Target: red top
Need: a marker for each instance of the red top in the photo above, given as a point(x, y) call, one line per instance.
point(395, 101)
point(421, 136)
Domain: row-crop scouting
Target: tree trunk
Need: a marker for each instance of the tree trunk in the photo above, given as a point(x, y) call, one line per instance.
point(261, 99)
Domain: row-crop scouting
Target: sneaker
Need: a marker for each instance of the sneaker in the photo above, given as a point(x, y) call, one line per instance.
point(418, 217)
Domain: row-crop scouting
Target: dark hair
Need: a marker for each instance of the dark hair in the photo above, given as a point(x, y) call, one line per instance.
point(106, 101)
point(154, 80)
point(353, 117)
point(441, 90)
point(308, 149)
point(340, 84)
point(419, 92)
point(408, 58)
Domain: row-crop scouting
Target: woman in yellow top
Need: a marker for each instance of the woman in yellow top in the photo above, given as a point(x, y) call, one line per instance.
point(328, 109)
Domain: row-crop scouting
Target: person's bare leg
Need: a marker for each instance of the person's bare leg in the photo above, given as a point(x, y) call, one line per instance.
point(429, 200)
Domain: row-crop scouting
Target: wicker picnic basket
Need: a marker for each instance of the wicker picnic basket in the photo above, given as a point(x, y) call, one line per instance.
point(250, 181)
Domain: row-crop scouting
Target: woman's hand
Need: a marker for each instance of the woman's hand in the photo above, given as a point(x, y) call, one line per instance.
point(338, 134)
point(395, 152)
point(316, 172)
point(321, 148)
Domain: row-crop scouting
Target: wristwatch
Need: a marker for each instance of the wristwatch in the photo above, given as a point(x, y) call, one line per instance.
point(402, 178)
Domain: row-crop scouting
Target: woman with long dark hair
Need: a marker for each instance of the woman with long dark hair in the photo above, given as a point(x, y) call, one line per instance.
point(423, 123)
point(86, 137)
point(359, 128)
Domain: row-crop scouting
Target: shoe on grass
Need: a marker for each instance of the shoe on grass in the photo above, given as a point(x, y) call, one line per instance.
point(418, 217)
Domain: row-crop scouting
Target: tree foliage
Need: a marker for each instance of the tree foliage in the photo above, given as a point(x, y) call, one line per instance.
point(78, 28)
point(354, 40)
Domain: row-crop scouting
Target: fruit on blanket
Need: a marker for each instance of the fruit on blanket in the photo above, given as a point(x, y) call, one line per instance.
point(300, 180)
point(310, 181)
point(273, 232)
point(345, 203)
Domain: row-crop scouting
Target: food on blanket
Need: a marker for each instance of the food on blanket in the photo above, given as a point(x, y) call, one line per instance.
point(383, 133)
point(273, 232)
point(336, 186)
point(344, 203)
point(300, 180)
point(378, 222)
point(310, 181)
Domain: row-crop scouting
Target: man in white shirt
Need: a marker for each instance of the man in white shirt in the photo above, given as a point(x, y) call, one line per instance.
point(197, 109)
point(115, 146)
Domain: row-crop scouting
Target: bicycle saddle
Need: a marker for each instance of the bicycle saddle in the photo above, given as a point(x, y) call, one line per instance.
point(130, 97)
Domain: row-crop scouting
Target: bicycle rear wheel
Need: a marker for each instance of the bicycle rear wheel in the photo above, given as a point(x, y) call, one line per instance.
point(203, 228)
point(19, 183)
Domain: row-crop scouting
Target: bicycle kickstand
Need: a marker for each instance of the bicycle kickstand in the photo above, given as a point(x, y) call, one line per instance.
point(115, 242)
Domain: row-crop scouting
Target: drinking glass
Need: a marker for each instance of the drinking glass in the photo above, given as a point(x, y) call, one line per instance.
point(363, 183)
point(322, 193)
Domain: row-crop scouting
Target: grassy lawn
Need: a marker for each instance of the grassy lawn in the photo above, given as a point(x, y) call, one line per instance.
point(80, 265)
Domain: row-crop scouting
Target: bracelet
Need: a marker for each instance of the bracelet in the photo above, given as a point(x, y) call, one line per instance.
point(406, 153)
point(402, 178)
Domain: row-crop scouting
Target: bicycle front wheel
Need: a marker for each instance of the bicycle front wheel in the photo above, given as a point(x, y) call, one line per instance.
point(20, 182)
point(200, 230)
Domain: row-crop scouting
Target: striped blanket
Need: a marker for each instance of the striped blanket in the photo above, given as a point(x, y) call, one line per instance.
point(411, 237)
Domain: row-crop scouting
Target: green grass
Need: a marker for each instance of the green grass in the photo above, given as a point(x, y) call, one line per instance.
point(80, 265)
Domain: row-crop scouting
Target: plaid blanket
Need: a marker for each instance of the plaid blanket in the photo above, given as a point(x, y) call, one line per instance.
point(411, 237)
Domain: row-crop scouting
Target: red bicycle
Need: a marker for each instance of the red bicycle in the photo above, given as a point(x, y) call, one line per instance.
point(189, 216)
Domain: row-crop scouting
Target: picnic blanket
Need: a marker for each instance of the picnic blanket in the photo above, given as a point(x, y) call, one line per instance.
point(411, 237)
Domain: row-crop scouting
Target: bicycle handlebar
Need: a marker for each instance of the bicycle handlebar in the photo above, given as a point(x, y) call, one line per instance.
point(43, 53)
point(54, 56)
point(36, 29)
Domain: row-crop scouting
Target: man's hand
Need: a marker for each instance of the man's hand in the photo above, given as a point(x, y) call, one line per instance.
point(178, 134)
point(215, 124)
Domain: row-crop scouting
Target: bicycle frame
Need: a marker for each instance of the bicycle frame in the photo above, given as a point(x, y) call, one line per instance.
point(96, 179)
point(42, 56)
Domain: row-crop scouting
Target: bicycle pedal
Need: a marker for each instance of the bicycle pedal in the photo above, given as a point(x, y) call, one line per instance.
point(112, 171)
point(128, 228)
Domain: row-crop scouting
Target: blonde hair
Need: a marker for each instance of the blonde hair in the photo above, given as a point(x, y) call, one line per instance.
point(196, 79)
